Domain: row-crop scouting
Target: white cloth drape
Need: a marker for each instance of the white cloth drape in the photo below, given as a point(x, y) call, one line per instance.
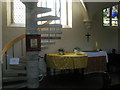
point(95, 54)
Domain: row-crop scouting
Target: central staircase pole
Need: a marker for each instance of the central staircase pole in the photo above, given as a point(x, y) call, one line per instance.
point(32, 56)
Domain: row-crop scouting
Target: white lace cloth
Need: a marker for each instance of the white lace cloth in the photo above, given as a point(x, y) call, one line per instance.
point(95, 54)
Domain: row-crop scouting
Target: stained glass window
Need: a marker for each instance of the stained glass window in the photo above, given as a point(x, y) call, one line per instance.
point(110, 16)
point(115, 15)
point(106, 17)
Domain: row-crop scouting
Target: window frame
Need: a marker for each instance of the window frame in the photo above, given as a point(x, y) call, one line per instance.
point(10, 23)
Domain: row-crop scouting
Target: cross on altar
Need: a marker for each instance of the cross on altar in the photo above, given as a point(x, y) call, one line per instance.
point(88, 36)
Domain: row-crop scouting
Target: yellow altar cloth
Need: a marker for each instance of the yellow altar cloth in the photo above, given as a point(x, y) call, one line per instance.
point(67, 61)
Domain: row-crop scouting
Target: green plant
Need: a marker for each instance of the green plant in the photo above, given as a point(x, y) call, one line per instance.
point(61, 49)
point(77, 48)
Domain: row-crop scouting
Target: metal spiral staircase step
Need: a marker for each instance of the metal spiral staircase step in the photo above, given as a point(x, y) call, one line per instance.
point(47, 18)
point(50, 26)
point(44, 47)
point(48, 37)
point(18, 67)
point(13, 72)
point(47, 42)
point(45, 32)
point(41, 10)
point(15, 85)
point(14, 78)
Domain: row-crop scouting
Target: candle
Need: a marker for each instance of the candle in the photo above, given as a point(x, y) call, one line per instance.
point(96, 44)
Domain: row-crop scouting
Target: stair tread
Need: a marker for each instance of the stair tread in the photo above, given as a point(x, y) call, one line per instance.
point(13, 78)
point(41, 10)
point(46, 32)
point(50, 37)
point(18, 68)
point(47, 18)
point(21, 64)
point(47, 42)
point(16, 85)
point(15, 71)
point(43, 47)
point(50, 26)
point(51, 32)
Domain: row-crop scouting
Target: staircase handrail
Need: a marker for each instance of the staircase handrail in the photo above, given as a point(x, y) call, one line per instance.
point(11, 43)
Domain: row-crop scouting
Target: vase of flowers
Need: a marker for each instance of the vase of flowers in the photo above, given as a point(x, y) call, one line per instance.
point(76, 50)
point(61, 51)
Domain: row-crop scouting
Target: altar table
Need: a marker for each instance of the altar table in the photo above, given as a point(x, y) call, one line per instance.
point(67, 61)
point(97, 61)
point(89, 61)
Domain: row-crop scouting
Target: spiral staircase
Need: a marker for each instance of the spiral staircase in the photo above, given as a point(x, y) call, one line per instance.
point(14, 76)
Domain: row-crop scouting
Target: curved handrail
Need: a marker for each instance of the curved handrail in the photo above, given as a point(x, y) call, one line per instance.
point(11, 43)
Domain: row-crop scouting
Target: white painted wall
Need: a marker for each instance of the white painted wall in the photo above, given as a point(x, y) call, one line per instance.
point(0, 43)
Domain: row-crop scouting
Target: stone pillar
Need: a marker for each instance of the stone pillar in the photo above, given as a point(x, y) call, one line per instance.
point(0, 44)
point(32, 70)
point(32, 56)
point(31, 14)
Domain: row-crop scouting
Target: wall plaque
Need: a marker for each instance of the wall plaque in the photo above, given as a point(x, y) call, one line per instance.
point(33, 42)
